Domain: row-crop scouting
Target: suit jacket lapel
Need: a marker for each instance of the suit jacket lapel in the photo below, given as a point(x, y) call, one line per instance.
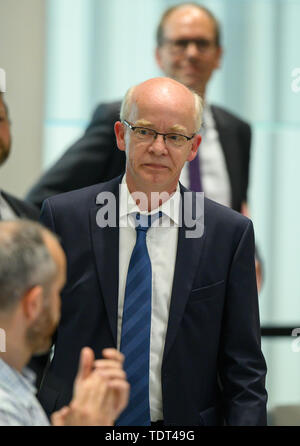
point(189, 251)
point(105, 243)
point(227, 140)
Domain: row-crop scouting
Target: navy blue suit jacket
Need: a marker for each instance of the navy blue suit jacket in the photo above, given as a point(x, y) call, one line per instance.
point(213, 370)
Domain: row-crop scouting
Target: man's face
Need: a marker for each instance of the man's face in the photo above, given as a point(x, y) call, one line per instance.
point(41, 331)
point(154, 166)
point(5, 138)
point(180, 58)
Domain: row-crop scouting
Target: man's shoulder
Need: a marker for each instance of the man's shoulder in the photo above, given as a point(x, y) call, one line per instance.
point(224, 214)
point(84, 196)
point(217, 213)
point(224, 116)
point(107, 109)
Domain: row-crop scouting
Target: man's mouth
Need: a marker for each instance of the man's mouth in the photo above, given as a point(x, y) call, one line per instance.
point(155, 166)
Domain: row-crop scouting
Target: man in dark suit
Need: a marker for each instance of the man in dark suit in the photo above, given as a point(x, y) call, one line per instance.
point(179, 299)
point(10, 206)
point(188, 50)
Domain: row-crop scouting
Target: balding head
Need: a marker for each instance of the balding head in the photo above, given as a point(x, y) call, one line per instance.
point(30, 255)
point(188, 45)
point(191, 9)
point(162, 90)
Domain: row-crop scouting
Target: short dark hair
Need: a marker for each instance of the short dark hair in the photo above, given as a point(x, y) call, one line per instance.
point(169, 11)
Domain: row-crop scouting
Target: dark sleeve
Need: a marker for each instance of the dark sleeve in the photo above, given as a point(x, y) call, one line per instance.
point(94, 158)
point(245, 138)
point(242, 366)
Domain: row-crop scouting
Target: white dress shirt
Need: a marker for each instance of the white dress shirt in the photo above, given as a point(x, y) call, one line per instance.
point(214, 175)
point(161, 242)
point(6, 212)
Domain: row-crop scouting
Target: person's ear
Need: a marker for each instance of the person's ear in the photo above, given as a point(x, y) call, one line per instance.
point(196, 143)
point(120, 135)
point(219, 55)
point(32, 302)
point(158, 58)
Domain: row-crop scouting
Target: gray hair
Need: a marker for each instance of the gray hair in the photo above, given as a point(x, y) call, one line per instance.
point(24, 261)
point(127, 103)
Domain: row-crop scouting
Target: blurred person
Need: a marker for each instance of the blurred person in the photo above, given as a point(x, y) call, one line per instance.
point(10, 206)
point(189, 49)
point(182, 310)
point(32, 274)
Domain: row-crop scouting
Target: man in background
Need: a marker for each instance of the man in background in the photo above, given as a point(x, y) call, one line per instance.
point(189, 49)
point(10, 206)
point(32, 274)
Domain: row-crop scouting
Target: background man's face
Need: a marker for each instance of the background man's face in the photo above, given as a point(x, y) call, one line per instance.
point(191, 66)
point(5, 138)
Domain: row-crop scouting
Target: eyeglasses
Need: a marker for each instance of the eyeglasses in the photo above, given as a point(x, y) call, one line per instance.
point(180, 45)
point(149, 135)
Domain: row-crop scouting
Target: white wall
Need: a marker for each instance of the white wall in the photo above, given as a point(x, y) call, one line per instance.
point(22, 43)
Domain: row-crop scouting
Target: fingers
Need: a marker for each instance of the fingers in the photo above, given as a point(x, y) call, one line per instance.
point(59, 418)
point(86, 362)
point(113, 359)
point(112, 353)
point(112, 373)
point(120, 389)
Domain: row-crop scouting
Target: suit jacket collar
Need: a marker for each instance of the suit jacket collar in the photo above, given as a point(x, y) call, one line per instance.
point(227, 137)
point(21, 208)
point(106, 250)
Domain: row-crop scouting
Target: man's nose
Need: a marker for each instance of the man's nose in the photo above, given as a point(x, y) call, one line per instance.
point(192, 49)
point(158, 146)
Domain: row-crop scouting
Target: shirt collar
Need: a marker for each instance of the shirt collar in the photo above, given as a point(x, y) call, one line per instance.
point(170, 208)
point(15, 381)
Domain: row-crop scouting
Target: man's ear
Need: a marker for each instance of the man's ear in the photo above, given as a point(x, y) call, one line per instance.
point(32, 302)
point(219, 55)
point(158, 58)
point(120, 135)
point(196, 143)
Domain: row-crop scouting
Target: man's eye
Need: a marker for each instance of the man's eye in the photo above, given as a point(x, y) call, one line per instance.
point(143, 132)
point(174, 137)
point(181, 43)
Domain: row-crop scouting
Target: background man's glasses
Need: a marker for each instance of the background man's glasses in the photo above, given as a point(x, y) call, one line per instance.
point(149, 135)
point(180, 45)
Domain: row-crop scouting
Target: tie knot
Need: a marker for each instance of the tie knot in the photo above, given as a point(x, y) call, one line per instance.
point(144, 222)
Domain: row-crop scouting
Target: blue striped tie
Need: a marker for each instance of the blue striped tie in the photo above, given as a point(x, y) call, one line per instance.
point(136, 326)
